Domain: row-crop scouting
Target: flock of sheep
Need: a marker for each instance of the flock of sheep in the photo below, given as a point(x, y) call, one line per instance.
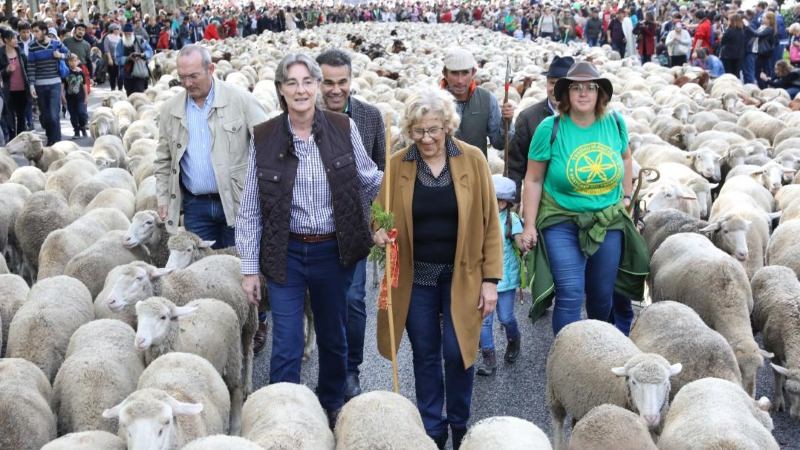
point(116, 334)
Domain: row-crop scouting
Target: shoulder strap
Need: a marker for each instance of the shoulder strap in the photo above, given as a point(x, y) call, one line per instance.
point(553, 133)
point(616, 120)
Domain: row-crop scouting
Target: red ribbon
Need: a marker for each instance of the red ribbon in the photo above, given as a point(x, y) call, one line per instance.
point(394, 267)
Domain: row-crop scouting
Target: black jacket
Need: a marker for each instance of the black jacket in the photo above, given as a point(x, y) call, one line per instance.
point(23, 62)
point(766, 40)
point(792, 80)
point(732, 45)
point(527, 121)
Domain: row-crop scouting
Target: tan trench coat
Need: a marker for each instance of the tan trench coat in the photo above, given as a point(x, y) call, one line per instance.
point(234, 113)
point(479, 252)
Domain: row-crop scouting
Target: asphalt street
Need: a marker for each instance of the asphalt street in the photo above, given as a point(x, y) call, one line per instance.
point(515, 390)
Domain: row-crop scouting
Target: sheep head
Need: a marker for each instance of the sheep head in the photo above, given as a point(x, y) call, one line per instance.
point(135, 282)
point(729, 234)
point(647, 382)
point(155, 318)
point(142, 228)
point(185, 248)
point(147, 417)
point(792, 389)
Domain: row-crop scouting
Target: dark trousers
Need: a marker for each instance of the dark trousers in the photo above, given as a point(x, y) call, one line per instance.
point(113, 77)
point(677, 60)
point(356, 317)
point(133, 85)
point(316, 267)
point(433, 338)
point(206, 218)
point(17, 104)
point(49, 101)
point(78, 115)
point(762, 66)
point(646, 58)
point(732, 65)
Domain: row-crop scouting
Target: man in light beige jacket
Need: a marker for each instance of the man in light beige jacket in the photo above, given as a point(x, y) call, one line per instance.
point(203, 150)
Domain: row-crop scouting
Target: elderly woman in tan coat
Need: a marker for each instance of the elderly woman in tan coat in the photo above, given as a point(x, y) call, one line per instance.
point(449, 240)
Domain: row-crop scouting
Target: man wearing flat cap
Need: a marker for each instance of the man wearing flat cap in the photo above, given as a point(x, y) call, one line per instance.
point(529, 119)
point(481, 115)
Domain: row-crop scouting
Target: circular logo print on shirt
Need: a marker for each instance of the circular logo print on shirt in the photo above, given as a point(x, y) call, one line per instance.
point(593, 169)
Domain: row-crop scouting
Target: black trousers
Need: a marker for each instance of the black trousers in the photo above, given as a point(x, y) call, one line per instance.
point(732, 65)
point(677, 60)
point(135, 85)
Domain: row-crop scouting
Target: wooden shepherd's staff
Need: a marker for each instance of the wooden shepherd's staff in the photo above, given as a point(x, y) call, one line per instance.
point(388, 268)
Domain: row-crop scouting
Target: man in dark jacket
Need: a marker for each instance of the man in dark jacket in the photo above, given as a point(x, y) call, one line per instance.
point(594, 29)
point(529, 119)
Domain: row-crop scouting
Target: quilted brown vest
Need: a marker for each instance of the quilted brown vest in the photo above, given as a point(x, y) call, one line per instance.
point(276, 168)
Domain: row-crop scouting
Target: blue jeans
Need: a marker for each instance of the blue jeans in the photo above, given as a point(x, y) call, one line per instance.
point(206, 218)
point(432, 336)
point(749, 68)
point(77, 111)
point(792, 92)
point(48, 97)
point(356, 317)
point(578, 277)
point(505, 313)
point(316, 267)
point(621, 313)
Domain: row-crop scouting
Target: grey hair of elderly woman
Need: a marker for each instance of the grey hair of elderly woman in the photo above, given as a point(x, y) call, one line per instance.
point(282, 74)
point(430, 100)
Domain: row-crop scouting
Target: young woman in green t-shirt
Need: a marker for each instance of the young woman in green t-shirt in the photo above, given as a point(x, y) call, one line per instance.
point(579, 162)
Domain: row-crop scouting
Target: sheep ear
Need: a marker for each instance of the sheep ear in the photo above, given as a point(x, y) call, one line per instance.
point(756, 173)
point(713, 226)
point(775, 215)
point(789, 171)
point(206, 244)
point(780, 369)
point(713, 185)
point(675, 369)
point(687, 197)
point(113, 412)
point(185, 409)
point(764, 404)
point(181, 311)
point(766, 354)
point(158, 273)
point(619, 371)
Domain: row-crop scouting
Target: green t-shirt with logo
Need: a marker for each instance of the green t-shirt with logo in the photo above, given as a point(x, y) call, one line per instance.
point(585, 167)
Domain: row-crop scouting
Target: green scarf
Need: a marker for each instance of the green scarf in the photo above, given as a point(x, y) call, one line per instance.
point(634, 265)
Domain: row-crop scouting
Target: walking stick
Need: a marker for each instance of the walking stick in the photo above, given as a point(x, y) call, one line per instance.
point(389, 270)
point(506, 122)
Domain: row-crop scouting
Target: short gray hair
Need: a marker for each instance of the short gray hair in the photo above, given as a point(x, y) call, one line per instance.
point(191, 49)
point(430, 100)
point(282, 73)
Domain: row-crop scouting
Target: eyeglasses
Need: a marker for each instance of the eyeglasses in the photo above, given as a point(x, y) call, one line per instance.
point(581, 88)
point(293, 85)
point(191, 77)
point(433, 132)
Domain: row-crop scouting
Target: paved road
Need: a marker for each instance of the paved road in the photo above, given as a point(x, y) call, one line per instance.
point(516, 390)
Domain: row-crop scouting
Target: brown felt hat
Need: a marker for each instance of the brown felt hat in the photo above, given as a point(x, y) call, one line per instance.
point(582, 71)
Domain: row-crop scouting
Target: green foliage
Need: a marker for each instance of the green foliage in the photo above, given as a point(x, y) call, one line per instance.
point(384, 219)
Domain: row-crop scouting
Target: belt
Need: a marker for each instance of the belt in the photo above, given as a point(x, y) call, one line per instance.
point(213, 196)
point(312, 238)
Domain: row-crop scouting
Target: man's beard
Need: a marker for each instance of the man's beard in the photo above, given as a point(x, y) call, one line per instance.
point(128, 41)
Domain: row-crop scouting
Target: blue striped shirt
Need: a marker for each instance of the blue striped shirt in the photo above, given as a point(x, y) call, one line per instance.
point(197, 171)
point(312, 206)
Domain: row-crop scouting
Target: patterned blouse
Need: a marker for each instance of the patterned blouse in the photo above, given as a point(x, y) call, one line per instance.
point(425, 273)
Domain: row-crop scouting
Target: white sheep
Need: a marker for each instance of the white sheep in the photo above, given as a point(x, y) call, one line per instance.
point(663, 328)
point(286, 415)
point(737, 204)
point(668, 193)
point(87, 440)
point(186, 248)
point(40, 330)
point(61, 245)
point(381, 419)
point(769, 175)
point(13, 293)
point(65, 178)
point(26, 420)
point(92, 265)
point(728, 233)
point(29, 176)
point(180, 397)
point(43, 212)
point(505, 433)
point(205, 327)
point(688, 268)
point(783, 248)
point(217, 276)
point(713, 413)
point(100, 369)
point(222, 442)
point(146, 195)
point(699, 185)
point(109, 151)
point(139, 129)
point(776, 314)
point(147, 230)
point(103, 122)
point(609, 427)
point(592, 363)
point(703, 161)
point(12, 200)
point(121, 199)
